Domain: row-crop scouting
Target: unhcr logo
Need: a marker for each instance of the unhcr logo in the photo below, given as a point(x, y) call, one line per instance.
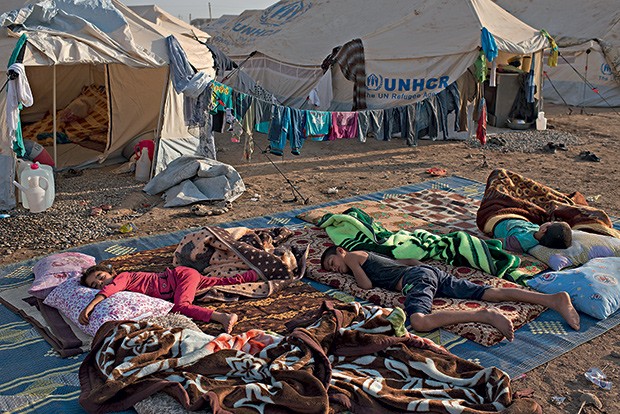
point(284, 12)
point(374, 82)
point(606, 69)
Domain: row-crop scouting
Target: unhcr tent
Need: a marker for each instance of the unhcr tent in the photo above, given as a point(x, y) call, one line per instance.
point(588, 34)
point(72, 44)
point(411, 48)
point(160, 17)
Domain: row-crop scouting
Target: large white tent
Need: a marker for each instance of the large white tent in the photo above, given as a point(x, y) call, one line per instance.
point(73, 43)
point(412, 48)
point(588, 34)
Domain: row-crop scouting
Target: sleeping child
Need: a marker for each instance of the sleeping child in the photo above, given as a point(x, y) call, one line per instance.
point(179, 284)
point(420, 283)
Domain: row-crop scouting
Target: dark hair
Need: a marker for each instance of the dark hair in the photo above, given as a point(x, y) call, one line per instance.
point(95, 268)
point(330, 251)
point(557, 236)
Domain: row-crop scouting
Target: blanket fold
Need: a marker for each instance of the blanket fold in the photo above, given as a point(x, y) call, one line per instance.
point(348, 359)
point(356, 230)
point(511, 195)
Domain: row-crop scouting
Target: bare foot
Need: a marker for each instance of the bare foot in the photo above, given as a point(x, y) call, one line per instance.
point(495, 318)
point(227, 320)
point(563, 305)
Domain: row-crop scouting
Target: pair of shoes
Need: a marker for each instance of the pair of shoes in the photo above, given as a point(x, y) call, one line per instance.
point(589, 156)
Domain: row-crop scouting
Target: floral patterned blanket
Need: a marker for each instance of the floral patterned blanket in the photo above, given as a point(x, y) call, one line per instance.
point(349, 358)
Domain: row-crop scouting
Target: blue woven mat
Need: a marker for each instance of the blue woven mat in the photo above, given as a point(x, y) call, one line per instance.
point(34, 378)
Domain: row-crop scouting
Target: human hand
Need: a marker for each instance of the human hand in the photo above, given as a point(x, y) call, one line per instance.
point(85, 315)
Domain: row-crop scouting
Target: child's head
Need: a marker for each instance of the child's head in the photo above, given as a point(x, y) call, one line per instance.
point(556, 235)
point(332, 259)
point(97, 276)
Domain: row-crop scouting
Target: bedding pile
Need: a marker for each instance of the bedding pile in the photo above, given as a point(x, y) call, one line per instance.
point(511, 195)
point(348, 358)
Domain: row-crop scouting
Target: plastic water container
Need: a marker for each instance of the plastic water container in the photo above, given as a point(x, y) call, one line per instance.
point(541, 122)
point(35, 193)
point(143, 166)
point(21, 166)
point(38, 170)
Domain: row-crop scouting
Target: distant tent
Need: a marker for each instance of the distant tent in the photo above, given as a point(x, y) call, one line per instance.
point(578, 27)
point(72, 44)
point(411, 48)
point(160, 17)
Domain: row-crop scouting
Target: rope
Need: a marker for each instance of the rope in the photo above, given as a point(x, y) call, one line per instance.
point(296, 192)
point(585, 81)
point(570, 110)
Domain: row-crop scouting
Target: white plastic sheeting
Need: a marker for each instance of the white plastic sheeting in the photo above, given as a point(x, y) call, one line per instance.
point(413, 48)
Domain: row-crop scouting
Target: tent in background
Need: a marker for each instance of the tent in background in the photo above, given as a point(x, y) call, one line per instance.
point(160, 17)
point(578, 27)
point(412, 48)
point(72, 44)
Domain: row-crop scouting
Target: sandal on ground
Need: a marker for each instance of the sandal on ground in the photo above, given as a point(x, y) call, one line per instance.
point(589, 156)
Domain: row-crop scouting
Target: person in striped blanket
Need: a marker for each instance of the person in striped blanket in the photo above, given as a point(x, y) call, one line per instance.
point(420, 283)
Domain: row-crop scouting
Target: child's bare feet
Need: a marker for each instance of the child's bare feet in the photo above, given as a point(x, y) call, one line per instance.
point(227, 320)
point(564, 306)
point(501, 322)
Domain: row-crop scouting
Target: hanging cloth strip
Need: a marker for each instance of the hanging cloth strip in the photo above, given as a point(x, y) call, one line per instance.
point(481, 131)
point(488, 44)
point(481, 67)
point(352, 63)
point(18, 95)
point(555, 52)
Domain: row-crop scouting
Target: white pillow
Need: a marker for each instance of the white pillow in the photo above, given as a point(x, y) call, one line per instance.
point(71, 298)
point(585, 246)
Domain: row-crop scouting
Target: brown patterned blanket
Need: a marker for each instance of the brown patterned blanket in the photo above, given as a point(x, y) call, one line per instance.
point(220, 252)
point(347, 359)
point(510, 195)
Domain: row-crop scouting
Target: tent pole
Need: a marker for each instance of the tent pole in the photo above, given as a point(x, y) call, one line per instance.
point(54, 113)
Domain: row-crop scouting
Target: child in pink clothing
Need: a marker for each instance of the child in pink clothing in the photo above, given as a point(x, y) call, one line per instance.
point(179, 285)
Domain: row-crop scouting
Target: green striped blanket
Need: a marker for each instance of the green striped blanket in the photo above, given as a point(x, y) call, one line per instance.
point(356, 230)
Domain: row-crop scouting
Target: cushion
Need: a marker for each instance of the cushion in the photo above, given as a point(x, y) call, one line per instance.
point(594, 287)
point(585, 246)
point(53, 270)
point(71, 298)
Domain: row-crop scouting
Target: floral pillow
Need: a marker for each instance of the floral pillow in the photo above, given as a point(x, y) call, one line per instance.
point(594, 287)
point(71, 298)
point(585, 246)
point(53, 270)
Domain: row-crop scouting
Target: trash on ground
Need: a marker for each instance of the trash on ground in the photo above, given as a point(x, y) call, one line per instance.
point(587, 398)
point(557, 399)
point(593, 198)
point(596, 376)
point(437, 172)
point(127, 228)
point(255, 197)
point(332, 190)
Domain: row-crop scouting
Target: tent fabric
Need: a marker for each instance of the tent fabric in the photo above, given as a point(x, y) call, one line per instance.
point(578, 27)
point(412, 48)
point(160, 17)
point(102, 42)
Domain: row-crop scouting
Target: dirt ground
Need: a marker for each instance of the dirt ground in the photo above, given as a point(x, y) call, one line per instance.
point(356, 168)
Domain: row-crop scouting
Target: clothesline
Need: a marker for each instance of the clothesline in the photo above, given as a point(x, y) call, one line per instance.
point(282, 123)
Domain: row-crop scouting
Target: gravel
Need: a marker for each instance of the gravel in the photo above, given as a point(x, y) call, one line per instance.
point(68, 222)
point(528, 141)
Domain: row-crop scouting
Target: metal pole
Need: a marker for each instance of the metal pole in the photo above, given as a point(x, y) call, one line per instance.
point(54, 115)
point(585, 82)
point(210, 16)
